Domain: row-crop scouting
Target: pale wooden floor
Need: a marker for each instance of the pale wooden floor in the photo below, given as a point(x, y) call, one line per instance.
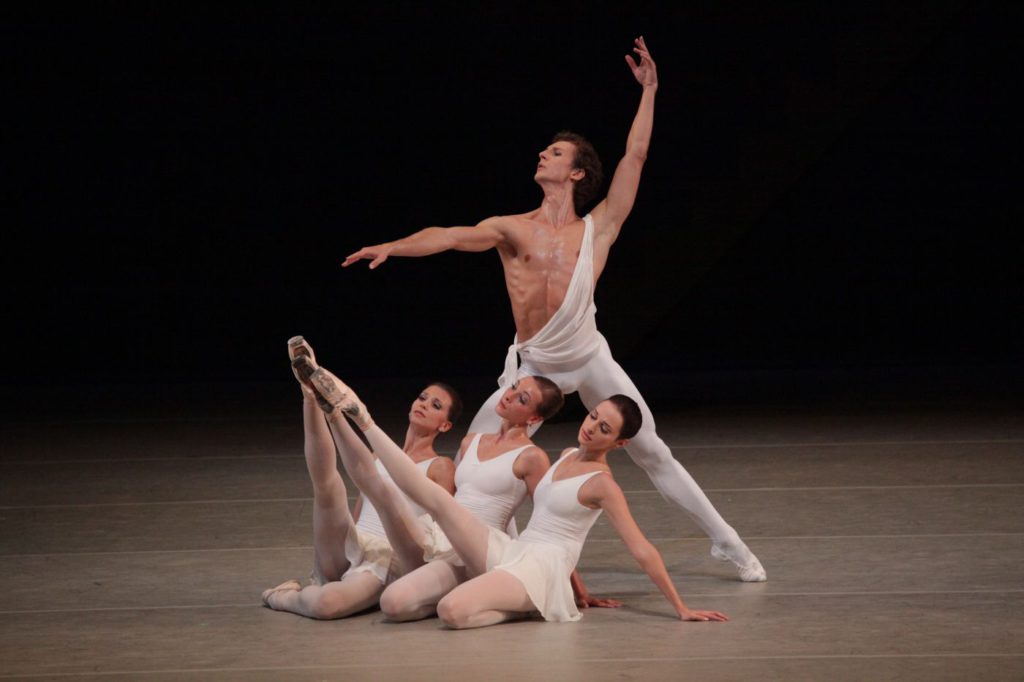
point(137, 533)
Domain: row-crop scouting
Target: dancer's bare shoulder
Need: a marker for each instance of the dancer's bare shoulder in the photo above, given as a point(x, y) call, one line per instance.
point(531, 459)
point(442, 472)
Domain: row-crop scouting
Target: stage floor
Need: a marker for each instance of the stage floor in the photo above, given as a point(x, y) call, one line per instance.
point(138, 532)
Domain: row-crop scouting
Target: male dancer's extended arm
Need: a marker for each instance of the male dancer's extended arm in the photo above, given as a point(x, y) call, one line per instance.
point(485, 235)
point(615, 208)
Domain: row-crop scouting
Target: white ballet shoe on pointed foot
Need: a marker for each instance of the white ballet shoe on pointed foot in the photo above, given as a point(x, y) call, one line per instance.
point(286, 586)
point(334, 392)
point(750, 571)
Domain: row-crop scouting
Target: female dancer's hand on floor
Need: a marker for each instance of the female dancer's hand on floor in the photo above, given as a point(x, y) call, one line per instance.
point(703, 616)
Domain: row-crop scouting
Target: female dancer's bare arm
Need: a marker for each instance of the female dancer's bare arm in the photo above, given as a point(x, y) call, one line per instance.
point(604, 492)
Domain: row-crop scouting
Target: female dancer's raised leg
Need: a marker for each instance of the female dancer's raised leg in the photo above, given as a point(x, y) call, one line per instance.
point(330, 596)
point(467, 535)
point(404, 530)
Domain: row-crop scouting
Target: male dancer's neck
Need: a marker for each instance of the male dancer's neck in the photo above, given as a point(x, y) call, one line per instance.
point(558, 208)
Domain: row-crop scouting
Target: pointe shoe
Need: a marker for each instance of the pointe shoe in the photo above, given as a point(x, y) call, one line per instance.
point(750, 572)
point(304, 370)
point(286, 586)
point(298, 348)
point(334, 391)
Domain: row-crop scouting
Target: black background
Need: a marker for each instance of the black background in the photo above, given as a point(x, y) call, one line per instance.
point(828, 188)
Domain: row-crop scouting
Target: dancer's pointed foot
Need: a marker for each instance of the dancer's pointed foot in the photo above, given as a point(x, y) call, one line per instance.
point(298, 348)
point(333, 391)
point(749, 568)
point(304, 370)
point(286, 586)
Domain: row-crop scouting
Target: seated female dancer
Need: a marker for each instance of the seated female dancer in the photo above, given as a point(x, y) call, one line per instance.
point(495, 474)
point(353, 561)
point(531, 573)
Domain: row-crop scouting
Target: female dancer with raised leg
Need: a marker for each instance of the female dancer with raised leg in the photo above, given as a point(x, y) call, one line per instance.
point(353, 561)
point(496, 473)
point(531, 573)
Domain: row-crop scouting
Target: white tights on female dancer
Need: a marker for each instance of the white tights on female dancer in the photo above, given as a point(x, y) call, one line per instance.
point(353, 561)
point(518, 577)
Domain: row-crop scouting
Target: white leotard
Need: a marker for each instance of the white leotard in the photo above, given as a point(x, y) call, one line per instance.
point(489, 490)
point(558, 517)
point(544, 556)
point(369, 519)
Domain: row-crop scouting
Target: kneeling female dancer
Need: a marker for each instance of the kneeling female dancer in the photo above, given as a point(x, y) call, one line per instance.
point(531, 573)
point(353, 561)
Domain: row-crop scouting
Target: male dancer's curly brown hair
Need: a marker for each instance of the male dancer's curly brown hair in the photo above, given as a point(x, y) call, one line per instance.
point(588, 161)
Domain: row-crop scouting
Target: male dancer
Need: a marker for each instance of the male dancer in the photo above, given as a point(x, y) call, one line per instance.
point(552, 260)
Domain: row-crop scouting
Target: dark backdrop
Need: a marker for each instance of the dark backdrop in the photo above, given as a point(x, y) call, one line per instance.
point(827, 187)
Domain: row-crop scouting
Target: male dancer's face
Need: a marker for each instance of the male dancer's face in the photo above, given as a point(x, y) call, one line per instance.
point(520, 402)
point(430, 409)
point(556, 163)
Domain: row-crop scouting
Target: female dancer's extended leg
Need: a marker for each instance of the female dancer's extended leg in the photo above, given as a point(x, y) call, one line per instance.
point(467, 535)
point(403, 528)
point(332, 522)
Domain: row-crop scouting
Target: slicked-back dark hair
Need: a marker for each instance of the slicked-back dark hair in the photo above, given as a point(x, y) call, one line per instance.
point(632, 419)
point(586, 158)
point(551, 398)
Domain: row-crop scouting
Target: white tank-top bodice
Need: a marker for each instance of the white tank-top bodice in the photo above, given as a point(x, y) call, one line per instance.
point(489, 490)
point(369, 520)
point(558, 517)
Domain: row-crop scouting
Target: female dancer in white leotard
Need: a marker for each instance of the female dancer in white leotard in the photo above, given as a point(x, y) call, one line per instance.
point(354, 560)
point(531, 573)
point(494, 475)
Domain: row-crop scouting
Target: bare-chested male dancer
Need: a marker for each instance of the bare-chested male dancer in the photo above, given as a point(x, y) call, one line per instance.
point(552, 260)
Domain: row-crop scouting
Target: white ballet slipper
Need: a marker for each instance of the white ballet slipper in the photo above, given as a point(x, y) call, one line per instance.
point(750, 571)
point(286, 586)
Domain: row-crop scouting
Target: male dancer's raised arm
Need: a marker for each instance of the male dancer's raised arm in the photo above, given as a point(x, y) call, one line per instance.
point(611, 213)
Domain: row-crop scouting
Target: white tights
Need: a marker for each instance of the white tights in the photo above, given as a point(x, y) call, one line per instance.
point(488, 598)
point(602, 377)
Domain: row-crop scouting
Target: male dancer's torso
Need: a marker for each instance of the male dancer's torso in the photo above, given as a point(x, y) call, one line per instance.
point(539, 259)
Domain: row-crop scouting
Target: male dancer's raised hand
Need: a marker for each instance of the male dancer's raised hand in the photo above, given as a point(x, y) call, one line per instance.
point(646, 73)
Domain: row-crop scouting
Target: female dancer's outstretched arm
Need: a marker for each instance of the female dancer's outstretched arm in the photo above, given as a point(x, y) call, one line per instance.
point(604, 492)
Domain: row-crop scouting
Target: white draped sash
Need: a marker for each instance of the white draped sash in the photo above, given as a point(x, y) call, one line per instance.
point(570, 337)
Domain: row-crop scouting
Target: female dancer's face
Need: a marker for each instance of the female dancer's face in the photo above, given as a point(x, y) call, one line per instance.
point(520, 402)
point(601, 428)
point(430, 409)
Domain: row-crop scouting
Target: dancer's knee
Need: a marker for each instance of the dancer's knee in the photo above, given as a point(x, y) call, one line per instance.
point(651, 453)
point(455, 611)
point(327, 606)
point(398, 602)
point(329, 491)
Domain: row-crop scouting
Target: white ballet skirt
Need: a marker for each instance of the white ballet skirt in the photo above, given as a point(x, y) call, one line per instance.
point(546, 553)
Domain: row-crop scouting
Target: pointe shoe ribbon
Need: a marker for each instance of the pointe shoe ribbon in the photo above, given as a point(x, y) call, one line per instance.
point(334, 391)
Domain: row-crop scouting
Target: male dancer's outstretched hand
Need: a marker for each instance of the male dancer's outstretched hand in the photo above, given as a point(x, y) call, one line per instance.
point(375, 254)
point(646, 73)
